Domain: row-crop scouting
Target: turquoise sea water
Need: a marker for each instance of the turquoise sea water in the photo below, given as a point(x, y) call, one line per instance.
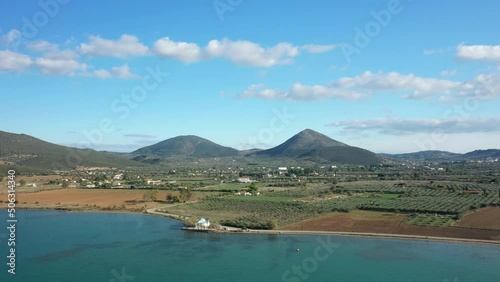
point(58, 246)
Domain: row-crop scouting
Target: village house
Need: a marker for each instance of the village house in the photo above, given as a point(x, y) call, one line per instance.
point(153, 182)
point(244, 179)
point(282, 170)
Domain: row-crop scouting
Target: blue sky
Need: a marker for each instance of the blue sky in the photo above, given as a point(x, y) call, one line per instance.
point(389, 76)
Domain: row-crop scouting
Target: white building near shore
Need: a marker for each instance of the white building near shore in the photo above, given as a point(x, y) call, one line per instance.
point(202, 223)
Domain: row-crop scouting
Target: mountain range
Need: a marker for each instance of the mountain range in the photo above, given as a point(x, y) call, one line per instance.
point(308, 145)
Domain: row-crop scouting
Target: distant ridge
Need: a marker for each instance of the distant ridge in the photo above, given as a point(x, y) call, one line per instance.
point(430, 155)
point(187, 146)
point(482, 154)
point(443, 156)
point(319, 147)
point(28, 151)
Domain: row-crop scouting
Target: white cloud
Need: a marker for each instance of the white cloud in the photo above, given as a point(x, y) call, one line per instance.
point(182, 51)
point(312, 48)
point(59, 66)
point(118, 72)
point(126, 46)
point(240, 52)
point(300, 92)
point(123, 72)
point(11, 36)
point(14, 61)
point(485, 86)
point(362, 85)
point(51, 51)
point(251, 90)
point(315, 92)
point(479, 52)
point(248, 53)
point(396, 126)
point(101, 73)
point(419, 86)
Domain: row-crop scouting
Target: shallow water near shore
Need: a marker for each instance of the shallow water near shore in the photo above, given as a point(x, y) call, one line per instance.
point(62, 246)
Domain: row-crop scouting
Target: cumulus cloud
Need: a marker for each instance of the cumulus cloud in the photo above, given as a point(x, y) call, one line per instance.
point(122, 72)
point(396, 126)
point(251, 90)
point(300, 92)
point(479, 52)
point(54, 66)
point(248, 53)
point(13, 61)
point(182, 51)
point(239, 52)
point(362, 85)
point(50, 50)
point(418, 86)
point(126, 46)
point(484, 86)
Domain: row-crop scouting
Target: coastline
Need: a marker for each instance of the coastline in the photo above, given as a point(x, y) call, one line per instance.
point(368, 235)
point(153, 212)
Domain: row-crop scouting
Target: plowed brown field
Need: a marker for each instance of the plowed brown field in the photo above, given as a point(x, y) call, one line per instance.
point(88, 199)
point(386, 223)
point(487, 218)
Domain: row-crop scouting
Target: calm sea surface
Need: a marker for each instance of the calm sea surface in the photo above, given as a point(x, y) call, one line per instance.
point(58, 246)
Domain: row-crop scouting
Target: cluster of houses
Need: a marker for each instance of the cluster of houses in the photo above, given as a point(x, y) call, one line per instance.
point(246, 193)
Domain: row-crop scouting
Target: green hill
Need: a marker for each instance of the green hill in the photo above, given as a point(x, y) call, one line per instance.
point(187, 146)
point(314, 146)
point(28, 151)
